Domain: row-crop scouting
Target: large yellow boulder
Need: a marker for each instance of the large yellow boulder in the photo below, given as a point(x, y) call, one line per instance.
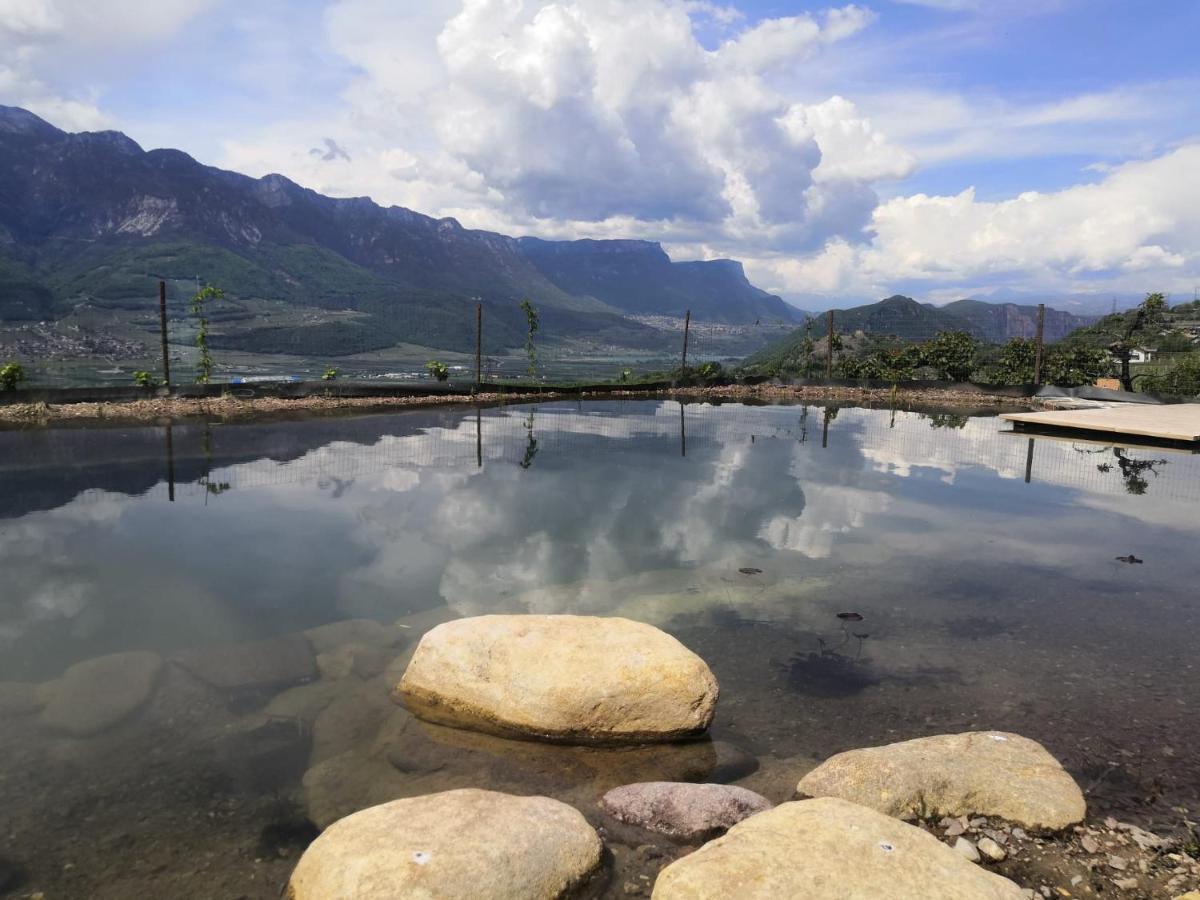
point(469, 844)
point(573, 679)
point(985, 773)
point(828, 850)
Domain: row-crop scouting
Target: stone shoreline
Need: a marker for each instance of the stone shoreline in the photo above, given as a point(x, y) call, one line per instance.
point(233, 408)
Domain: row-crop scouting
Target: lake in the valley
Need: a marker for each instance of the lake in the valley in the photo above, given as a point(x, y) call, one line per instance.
point(1038, 586)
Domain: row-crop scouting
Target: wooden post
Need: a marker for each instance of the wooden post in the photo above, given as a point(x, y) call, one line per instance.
point(478, 347)
point(687, 324)
point(162, 325)
point(829, 345)
point(1039, 354)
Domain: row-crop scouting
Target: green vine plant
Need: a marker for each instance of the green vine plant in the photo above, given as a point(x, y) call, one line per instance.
point(531, 327)
point(330, 374)
point(204, 295)
point(143, 379)
point(438, 370)
point(11, 375)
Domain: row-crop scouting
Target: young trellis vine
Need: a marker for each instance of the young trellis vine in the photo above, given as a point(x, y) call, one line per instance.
point(531, 325)
point(205, 294)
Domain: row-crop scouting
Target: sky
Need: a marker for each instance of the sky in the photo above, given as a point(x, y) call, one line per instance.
point(936, 148)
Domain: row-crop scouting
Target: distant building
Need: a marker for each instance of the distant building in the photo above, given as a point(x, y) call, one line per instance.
point(1141, 355)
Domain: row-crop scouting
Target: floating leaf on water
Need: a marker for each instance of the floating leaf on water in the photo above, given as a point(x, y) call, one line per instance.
point(1131, 559)
point(850, 617)
point(750, 570)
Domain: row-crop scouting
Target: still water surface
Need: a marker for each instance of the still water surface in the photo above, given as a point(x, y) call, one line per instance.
point(987, 569)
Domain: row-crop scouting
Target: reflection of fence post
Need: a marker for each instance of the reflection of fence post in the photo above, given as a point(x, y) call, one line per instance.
point(478, 346)
point(682, 432)
point(170, 464)
point(162, 325)
point(1039, 353)
point(1029, 462)
point(829, 343)
point(687, 324)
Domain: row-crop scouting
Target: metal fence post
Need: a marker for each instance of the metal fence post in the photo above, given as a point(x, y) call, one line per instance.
point(478, 347)
point(687, 324)
point(829, 344)
point(162, 324)
point(1039, 353)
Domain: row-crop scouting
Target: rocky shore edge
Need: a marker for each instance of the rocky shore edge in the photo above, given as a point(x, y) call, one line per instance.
point(230, 407)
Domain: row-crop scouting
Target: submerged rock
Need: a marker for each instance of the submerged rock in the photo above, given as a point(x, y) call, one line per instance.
point(464, 843)
point(364, 632)
point(94, 695)
point(353, 781)
point(573, 679)
point(689, 812)
point(986, 773)
point(264, 752)
point(828, 849)
point(19, 699)
point(254, 666)
point(360, 660)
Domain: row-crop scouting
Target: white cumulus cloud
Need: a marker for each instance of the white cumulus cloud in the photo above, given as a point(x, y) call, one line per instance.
point(1142, 216)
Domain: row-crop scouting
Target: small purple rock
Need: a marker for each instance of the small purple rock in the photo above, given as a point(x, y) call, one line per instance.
point(682, 810)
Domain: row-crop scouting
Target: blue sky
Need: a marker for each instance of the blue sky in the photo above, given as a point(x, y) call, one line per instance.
point(939, 148)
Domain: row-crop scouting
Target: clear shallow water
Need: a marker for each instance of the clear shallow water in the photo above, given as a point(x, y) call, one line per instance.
point(985, 568)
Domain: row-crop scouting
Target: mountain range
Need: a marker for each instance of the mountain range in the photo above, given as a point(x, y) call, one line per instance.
point(904, 317)
point(92, 220)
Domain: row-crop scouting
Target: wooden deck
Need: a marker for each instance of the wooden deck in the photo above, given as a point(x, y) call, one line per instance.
point(1174, 422)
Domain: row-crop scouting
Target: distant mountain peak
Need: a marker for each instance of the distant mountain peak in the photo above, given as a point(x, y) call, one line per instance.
point(15, 120)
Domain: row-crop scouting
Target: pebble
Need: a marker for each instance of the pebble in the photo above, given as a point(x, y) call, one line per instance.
point(955, 828)
point(991, 849)
point(967, 849)
point(1089, 843)
point(1117, 862)
point(1126, 884)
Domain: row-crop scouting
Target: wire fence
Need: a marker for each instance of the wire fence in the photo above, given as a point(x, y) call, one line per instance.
point(489, 343)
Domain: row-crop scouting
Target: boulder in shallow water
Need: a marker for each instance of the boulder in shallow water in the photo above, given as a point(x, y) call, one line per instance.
point(365, 632)
point(344, 784)
point(828, 850)
point(254, 666)
point(96, 694)
point(688, 812)
point(978, 773)
point(18, 699)
point(573, 679)
point(465, 843)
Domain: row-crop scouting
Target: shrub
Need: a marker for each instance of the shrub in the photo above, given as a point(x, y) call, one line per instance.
point(11, 375)
point(438, 370)
point(143, 379)
point(330, 374)
point(1181, 380)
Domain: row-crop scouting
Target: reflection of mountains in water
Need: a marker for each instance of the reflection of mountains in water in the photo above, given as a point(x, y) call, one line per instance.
point(44, 469)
